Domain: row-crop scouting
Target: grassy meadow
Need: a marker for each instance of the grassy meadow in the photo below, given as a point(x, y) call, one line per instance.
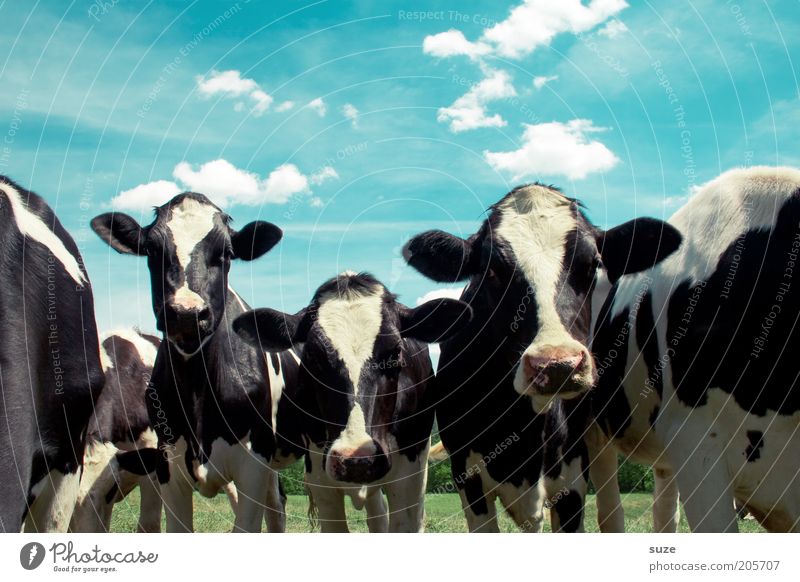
point(443, 514)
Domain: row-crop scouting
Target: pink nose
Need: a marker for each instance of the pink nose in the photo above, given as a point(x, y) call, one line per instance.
point(549, 370)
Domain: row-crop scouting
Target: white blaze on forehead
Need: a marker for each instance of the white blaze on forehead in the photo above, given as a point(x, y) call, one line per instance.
point(31, 225)
point(535, 222)
point(352, 321)
point(189, 223)
point(354, 436)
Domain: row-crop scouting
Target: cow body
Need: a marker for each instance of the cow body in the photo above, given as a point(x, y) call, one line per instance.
point(49, 364)
point(701, 376)
point(512, 406)
point(213, 396)
point(121, 446)
point(365, 383)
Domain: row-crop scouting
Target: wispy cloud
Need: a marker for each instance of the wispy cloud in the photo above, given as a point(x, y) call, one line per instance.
point(231, 84)
point(452, 43)
point(539, 82)
point(319, 106)
point(613, 29)
point(555, 149)
point(350, 112)
point(469, 110)
point(323, 174)
point(532, 24)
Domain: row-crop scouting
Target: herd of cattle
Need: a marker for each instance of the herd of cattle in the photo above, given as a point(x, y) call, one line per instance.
point(673, 343)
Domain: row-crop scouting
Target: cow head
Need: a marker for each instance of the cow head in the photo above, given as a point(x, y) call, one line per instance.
point(533, 266)
point(189, 248)
point(358, 347)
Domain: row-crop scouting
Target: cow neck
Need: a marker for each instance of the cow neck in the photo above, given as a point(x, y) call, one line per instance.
point(211, 366)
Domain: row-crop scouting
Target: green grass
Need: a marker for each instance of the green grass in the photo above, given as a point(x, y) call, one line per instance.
point(443, 514)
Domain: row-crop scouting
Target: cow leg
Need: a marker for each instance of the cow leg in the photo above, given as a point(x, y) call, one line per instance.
point(524, 504)
point(275, 512)
point(478, 507)
point(51, 510)
point(406, 494)
point(603, 466)
point(233, 495)
point(666, 512)
point(149, 505)
point(176, 492)
point(252, 480)
point(329, 501)
point(703, 481)
point(377, 515)
point(99, 478)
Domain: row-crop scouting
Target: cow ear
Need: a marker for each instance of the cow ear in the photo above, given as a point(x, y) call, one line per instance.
point(435, 321)
point(271, 330)
point(255, 239)
point(637, 245)
point(440, 256)
point(121, 232)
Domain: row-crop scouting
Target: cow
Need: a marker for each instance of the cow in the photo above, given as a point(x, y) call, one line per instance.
point(697, 356)
point(366, 377)
point(213, 399)
point(513, 407)
point(50, 371)
point(121, 445)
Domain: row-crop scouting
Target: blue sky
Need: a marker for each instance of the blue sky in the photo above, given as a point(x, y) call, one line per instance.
point(354, 125)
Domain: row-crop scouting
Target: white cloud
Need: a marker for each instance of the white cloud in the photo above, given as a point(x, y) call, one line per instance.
point(231, 84)
point(540, 82)
point(316, 202)
point(263, 101)
point(469, 110)
point(146, 196)
point(445, 293)
point(324, 173)
point(350, 112)
point(532, 24)
point(285, 106)
point(452, 43)
point(228, 83)
point(283, 182)
point(319, 106)
point(613, 29)
point(555, 149)
point(224, 184)
point(220, 180)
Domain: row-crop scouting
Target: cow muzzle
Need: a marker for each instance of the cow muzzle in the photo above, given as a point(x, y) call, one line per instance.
point(188, 329)
point(555, 372)
point(363, 464)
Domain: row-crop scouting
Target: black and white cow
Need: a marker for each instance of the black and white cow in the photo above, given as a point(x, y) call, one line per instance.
point(366, 378)
point(121, 445)
point(512, 410)
point(50, 370)
point(697, 356)
point(214, 398)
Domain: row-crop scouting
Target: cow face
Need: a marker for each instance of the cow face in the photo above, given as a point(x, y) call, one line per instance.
point(189, 247)
point(533, 267)
point(357, 355)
